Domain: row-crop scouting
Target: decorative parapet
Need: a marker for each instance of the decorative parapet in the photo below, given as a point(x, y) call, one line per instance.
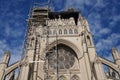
point(62, 27)
point(61, 22)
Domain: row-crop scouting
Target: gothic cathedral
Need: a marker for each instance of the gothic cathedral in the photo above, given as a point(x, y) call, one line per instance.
point(59, 46)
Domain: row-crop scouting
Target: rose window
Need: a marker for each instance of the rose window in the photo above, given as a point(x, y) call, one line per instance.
point(61, 57)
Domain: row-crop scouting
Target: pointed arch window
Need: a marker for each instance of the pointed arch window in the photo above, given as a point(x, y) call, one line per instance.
point(65, 31)
point(60, 31)
point(75, 31)
point(70, 31)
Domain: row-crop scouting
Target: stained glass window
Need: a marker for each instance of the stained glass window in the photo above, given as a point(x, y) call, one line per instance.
point(63, 58)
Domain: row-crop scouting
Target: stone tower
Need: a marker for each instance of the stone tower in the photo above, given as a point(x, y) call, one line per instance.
point(59, 46)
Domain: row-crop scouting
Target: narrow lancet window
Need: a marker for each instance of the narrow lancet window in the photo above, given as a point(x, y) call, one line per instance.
point(70, 31)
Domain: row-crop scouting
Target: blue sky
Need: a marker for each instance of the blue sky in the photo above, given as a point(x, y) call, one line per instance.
point(103, 17)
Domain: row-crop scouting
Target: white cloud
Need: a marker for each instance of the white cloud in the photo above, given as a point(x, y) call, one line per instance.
point(105, 31)
point(114, 19)
point(7, 30)
point(94, 20)
point(11, 24)
point(104, 44)
point(108, 43)
point(12, 31)
point(115, 36)
point(100, 3)
point(110, 57)
point(79, 2)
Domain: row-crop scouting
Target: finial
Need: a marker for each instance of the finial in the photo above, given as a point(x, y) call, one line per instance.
point(7, 52)
point(113, 48)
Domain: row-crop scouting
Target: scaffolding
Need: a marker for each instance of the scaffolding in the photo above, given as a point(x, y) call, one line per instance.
point(38, 15)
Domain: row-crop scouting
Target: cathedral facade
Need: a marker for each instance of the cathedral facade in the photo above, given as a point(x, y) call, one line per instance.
point(59, 46)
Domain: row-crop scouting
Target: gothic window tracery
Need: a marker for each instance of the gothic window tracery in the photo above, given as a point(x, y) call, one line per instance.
point(64, 58)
